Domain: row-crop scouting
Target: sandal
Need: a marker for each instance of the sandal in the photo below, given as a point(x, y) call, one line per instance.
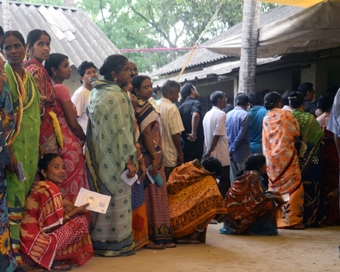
point(294, 227)
point(187, 241)
point(27, 268)
point(170, 245)
point(60, 263)
point(154, 246)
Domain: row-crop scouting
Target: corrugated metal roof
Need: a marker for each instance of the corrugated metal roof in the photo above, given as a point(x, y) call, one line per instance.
point(204, 56)
point(215, 70)
point(72, 31)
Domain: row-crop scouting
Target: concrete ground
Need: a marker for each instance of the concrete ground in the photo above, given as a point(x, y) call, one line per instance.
point(290, 251)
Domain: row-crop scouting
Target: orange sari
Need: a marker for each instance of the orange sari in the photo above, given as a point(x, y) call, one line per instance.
point(284, 176)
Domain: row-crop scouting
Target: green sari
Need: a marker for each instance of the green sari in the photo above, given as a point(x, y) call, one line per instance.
point(310, 165)
point(25, 100)
point(110, 142)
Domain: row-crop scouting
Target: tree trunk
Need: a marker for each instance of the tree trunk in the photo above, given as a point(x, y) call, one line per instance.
point(250, 35)
point(6, 15)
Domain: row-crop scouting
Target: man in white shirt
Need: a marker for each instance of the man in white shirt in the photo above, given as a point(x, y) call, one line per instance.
point(171, 127)
point(215, 138)
point(80, 98)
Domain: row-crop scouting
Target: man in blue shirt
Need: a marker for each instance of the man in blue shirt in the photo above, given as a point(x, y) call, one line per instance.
point(256, 115)
point(237, 126)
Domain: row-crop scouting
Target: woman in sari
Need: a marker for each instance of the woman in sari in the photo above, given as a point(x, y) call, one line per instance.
point(309, 152)
point(53, 234)
point(280, 131)
point(158, 213)
point(194, 199)
point(139, 219)
point(250, 209)
point(57, 67)
point(39, 46)
point(23, 140)
point(110, 150)
point(7, 260)
point(329, 179)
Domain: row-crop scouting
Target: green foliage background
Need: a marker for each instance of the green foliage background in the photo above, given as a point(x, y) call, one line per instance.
point(137, 24)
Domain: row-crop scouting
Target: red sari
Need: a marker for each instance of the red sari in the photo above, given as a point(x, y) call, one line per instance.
point(43, 211)
point(72, 153)
point(47, 103)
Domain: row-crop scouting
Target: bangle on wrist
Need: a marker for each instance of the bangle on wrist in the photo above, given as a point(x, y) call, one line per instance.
point(141, 156)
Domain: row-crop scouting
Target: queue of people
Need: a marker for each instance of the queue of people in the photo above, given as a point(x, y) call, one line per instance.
point(204, 169)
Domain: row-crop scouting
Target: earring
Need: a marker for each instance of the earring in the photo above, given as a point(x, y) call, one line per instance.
point(26, 55)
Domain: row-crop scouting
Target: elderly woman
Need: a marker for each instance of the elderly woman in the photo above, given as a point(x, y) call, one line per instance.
point(250, 209)
point(280, 131)
point(194, 199)
point(309, 151)
point(24, 137)
point(110, 150)
point(157, 209)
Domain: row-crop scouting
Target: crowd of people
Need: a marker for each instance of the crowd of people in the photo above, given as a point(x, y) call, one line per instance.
point(255, 168)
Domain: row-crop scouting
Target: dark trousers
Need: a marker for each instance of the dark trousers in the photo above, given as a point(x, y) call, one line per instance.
point(168, 171)
point(224, 183)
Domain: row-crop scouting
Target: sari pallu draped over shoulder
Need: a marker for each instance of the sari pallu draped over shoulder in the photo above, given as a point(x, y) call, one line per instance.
point(117, 144)
point(250, 210)
point(193, 197)
point(44, 211)
point(47, 104)
point(24, 138)
point(279, 130)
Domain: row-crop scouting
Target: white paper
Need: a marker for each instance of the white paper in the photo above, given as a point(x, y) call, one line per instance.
point(286, 197)
point(98, 202)
point(150, 177)
point(21, 177)
point(129, 181)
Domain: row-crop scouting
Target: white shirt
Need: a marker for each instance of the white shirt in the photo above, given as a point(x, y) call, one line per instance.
point(80, 99)
point(334, 118)
point(214, 124)
point(171, 124)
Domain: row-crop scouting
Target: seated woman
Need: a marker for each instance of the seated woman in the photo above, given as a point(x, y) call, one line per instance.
point(51, 228)
point(250, 209)
point(194, 199)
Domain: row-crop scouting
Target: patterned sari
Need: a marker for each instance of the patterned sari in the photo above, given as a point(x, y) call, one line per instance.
point(250, 210)
point(284, 176)
point(110, 142)
point(194, 198)
point(158, 214)
point(310, 165)
point(72, 151)
point(47, 103)
point(44, 211)
point(7, 260)
point(25, 100)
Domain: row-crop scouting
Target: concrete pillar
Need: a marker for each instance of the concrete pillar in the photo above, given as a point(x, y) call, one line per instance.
point(235, 87)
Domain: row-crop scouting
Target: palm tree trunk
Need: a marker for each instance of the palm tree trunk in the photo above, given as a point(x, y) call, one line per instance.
point(250, 34)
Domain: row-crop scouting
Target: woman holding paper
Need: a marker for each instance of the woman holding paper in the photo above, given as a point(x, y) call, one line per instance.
point(250, 209)
point(310, 161)
point(158, 213)
point(111, 150)
point(53, 235)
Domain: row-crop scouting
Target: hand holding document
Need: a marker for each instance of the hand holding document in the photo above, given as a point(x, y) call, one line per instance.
point(129, 181)
point(97, 202)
